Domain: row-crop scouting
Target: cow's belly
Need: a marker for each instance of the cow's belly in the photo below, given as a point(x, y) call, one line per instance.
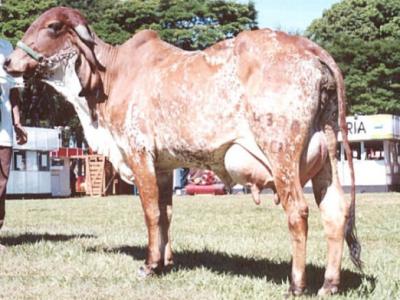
point(202, 156)
point(201, 141)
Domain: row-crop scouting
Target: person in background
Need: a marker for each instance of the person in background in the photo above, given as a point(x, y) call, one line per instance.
point(72, 177)
point(184, 179)
point(9, 122)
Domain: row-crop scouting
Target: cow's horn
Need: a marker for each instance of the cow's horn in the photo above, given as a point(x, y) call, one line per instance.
point(84, 33)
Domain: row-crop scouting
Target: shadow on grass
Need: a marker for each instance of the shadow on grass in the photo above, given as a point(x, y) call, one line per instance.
point(31, 238)
point(277, 272)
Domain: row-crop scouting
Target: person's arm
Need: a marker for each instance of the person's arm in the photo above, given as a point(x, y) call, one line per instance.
point(22, 136)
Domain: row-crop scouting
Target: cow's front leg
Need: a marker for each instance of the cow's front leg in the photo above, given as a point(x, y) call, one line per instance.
point(296, 209)
point(155, 191)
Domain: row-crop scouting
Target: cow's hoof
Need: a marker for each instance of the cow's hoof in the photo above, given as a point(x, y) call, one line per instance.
point(145, 272)
point(329, 287)
point(150, 270)
point(295, 290)
point(328, 290)
point(167, 268)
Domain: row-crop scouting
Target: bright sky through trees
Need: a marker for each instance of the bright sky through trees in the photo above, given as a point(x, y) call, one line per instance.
point(289, 15)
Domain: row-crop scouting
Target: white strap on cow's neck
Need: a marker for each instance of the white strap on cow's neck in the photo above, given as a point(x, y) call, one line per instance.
point(32, 53)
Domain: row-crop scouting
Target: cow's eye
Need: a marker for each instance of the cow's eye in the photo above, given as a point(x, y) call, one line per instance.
point(55, 26)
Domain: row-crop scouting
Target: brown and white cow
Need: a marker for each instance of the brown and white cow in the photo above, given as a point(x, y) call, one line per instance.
point(261, 109)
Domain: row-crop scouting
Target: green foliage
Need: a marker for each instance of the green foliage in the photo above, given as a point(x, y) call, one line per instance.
point(364, 38)
point(17, 15)
point(365, 19)
point(189, 24)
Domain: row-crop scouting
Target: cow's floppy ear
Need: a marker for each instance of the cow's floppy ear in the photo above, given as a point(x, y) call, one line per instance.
point(86, 44)
point(89, 56)
point(88, 69)
point(92, 85)
point(84, 33)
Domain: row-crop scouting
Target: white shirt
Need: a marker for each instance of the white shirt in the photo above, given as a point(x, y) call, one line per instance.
point(6, 125)
point(6, 83)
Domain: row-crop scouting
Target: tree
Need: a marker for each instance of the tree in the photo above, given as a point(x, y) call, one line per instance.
point(17, 15)
point(189, 24)
point(364, 38)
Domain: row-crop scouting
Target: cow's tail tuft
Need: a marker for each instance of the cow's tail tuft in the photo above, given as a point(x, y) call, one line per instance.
point(350, 229)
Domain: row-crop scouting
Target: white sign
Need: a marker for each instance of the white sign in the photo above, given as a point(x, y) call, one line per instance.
point(374, 127)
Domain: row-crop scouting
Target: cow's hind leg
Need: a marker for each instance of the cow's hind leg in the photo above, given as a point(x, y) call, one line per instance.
point(296, 208)
point(334, 209)
point(164, 183)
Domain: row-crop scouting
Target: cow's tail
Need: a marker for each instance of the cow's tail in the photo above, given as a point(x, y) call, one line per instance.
point(350, 230)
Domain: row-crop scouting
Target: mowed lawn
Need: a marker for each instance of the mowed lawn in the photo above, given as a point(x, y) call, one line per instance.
point(225, 247)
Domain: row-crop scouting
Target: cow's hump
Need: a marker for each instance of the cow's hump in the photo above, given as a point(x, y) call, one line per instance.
point(141, 38)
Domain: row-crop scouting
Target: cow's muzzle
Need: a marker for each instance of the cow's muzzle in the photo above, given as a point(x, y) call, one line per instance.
point(23, 61)
point(18, 64)
point(7, 66)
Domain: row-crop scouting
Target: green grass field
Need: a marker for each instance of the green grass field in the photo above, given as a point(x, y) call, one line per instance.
point(225, 248)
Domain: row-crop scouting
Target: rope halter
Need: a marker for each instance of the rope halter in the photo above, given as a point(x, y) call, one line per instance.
point(28, 50)
point(47, 64)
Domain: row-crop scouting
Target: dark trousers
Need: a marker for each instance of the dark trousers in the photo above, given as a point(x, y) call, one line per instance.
point(5, 161)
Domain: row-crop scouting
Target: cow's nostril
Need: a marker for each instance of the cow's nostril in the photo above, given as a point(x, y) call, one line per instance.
point(7, 62)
